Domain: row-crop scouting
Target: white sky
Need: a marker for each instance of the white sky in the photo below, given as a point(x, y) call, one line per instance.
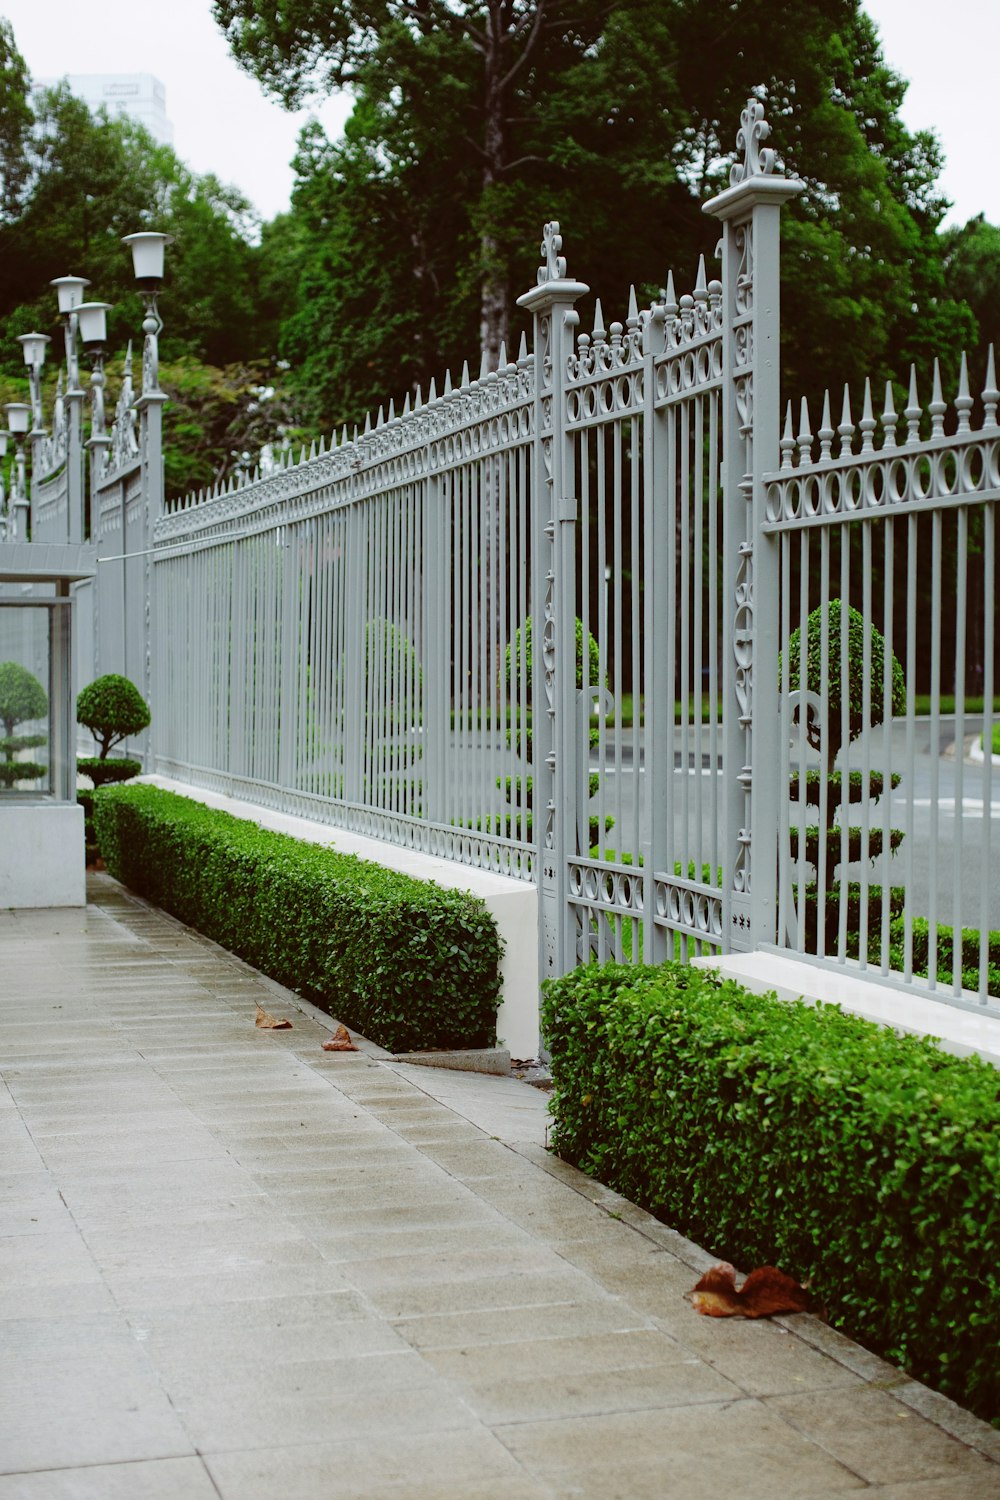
point(223, 123)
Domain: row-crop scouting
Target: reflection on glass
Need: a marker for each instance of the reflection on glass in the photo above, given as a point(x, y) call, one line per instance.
point(24, 702)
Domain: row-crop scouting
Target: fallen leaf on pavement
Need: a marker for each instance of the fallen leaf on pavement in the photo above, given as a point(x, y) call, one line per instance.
point(766, 1291)
point(271, 1023)
point(340, 1041)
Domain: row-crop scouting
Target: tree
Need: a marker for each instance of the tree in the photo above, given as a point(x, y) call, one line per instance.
point(620, 121)
point(846, 711)
point(22, 699)
point(15, 122)
point(112, 708)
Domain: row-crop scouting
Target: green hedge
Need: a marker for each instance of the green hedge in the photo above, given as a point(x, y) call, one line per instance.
point(787, 1134)
point(408, 964)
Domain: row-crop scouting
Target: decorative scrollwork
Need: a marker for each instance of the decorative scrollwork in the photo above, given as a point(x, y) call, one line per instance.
point(753, 130)
point(553, 267)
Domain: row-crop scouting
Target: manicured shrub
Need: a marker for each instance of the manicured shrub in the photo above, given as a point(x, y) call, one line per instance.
point(410, 965)
point(800, 1136)
point(112, 708)
point(22, 698)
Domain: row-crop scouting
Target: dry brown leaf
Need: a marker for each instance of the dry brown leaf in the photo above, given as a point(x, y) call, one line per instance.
point(271, 1023)
point(765, 1292)
point(340, 1041)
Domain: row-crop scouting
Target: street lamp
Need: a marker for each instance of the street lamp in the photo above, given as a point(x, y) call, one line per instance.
point(33, 345)
point(18, 423)
point(69, 291)
point(4, 435)
point(93, 324)
point(147, 247)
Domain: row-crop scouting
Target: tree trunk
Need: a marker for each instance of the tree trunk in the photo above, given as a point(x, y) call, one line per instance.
point(495, 294)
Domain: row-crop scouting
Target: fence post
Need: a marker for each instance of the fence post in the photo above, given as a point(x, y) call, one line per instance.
point(150, 408)
point(553, 604)
point(750, 212)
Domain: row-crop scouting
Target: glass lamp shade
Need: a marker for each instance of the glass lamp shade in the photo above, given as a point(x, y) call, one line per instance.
point(147, 257)
point(69, 290)
point(18, 417)
point(33, 345)
point(93, 323)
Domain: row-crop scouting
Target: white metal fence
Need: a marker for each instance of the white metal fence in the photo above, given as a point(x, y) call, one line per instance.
point(601, 621)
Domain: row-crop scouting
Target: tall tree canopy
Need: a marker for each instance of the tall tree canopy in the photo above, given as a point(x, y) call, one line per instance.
point(477, 120)
point(15, 122)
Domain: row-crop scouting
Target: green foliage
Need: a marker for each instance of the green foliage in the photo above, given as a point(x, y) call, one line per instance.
point(15, 122)
point(860, 711)
point(112, 708)
point(865, 1162)
point(22, 698)
point(13, 771)
point(408, 964)
point(103, 772)
point(945, 957)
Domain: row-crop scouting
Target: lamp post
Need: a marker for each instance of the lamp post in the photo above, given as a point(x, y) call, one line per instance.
point(4, 436)
point(92, 318)
point(18, 423)
point(33, 345)
point(147, 247)
point(69, 291)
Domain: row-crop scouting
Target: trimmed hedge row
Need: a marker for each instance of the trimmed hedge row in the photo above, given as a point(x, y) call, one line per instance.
point(865, 1162)
point(405, 962)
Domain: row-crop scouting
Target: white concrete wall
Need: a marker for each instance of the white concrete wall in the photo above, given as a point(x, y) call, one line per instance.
point(42, 854)
point(513, 904)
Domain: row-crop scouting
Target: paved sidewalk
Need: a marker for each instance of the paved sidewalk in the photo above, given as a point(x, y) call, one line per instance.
point(233, 1265)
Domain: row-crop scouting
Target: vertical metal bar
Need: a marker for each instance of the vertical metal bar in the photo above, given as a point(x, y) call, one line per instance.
point(697, 633)
point(844, 678)
point(910, 760)
point(715, 634)
point(635, 565)
point(685, 619)
point(961, 566)
point(866, 738)
point(989, 628)
point(935, 731)
point(888, 633)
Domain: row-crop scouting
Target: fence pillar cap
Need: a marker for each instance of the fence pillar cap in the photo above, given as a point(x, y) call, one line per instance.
point(737, 202)
point(551, 292)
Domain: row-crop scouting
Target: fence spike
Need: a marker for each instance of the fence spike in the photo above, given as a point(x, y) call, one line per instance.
point(418, 397)
point(990, 393)
point(826, 429)
point(502, 356)
point(600, 334)
point(406, 405)
point(466, 379)
point(632, 321)
point(670, 297)
point(913, 412)
point(380, 419)
point(391, 415)
point(356, 434)
point(787, 443)
point(963, 401)
point(845, 426)
point(938, 405)
point(805, 434)
point(522, 350)
point(368, 424)
point(889, 418)
point(447, 383)
point(312, 450)
point(867, 423)
point(432, 394)
point(344, 440)
point(484, 365)
point(700, 283)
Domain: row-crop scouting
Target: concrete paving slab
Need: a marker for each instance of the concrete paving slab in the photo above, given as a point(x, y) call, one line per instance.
point(234, 1265)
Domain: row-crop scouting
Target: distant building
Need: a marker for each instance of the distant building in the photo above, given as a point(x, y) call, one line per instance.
point(138, 95)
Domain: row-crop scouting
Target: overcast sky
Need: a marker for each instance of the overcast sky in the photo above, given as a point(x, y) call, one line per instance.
point(223, 123)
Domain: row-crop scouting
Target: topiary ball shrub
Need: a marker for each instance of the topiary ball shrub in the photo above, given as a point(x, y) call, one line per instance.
point(112, 708)
point(104, 772)
point(22, 698)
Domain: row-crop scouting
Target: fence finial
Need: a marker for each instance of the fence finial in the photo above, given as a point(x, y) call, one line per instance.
point(889, 418)
point(825, 430)
point(553, 267)
point(938, 405)
point(990, 393)
point(805, 434)
point(600, 333)
point(867, 423)
point(432, 392)
point(502, 360)
point(753, 130)
point(845, 427)
point(963, 401)
point(787, 443)
point(913, 412)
